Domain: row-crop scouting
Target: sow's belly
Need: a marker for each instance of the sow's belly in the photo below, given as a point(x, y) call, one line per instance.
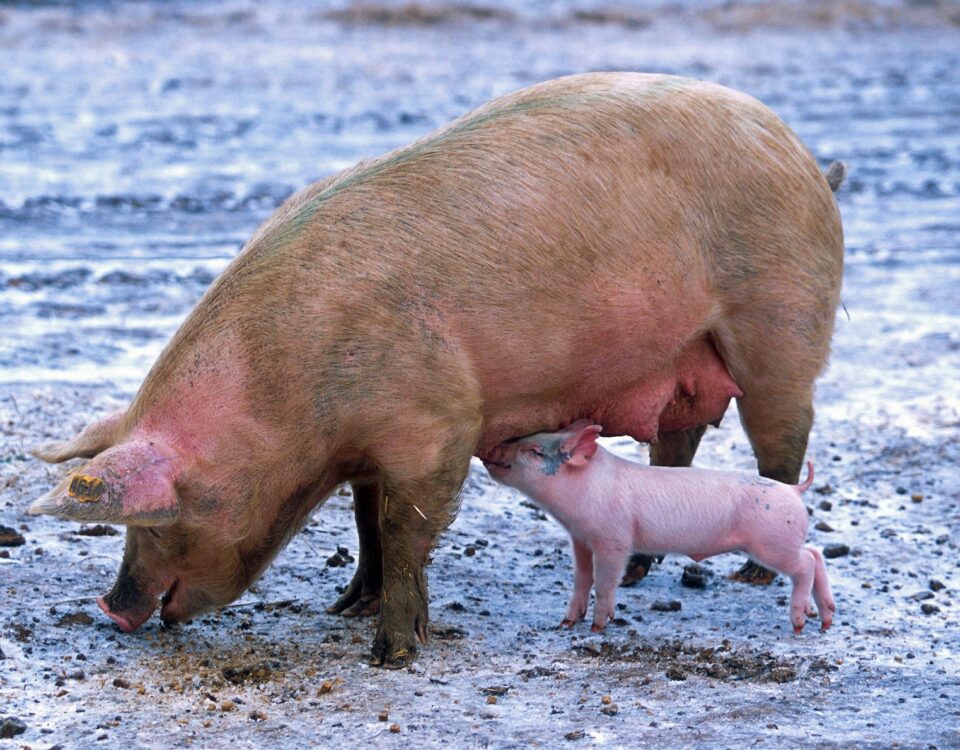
point(695, 391)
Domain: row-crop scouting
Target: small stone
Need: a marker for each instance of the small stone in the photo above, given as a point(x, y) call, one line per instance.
point(258, 716)
point(825, 505)
point(577, 734)
point(98, 530)
point(78, 618)
point(695, 576)
point(121, 683)
point(496, 690)
point(11, 726)
point(395, 728)
point(606, 700)
point(783, 674)
point(383, 716)
point(491, 700)
point(831, 551)
point(325, 688)
point(676, 674)
point(612, 710)
point(823, 526)
point(227, 706)
point(470, 551)
point(916, 497)
point(922, 596)
point(662, 606)
point(935, 585)
point(11, 538)
point(929, 609)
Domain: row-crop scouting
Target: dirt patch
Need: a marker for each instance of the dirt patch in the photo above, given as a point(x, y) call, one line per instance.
point(679, 660)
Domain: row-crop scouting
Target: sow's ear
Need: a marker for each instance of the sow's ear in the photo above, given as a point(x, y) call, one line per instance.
point(95, 438)
point(131, 483)
point(581, 442)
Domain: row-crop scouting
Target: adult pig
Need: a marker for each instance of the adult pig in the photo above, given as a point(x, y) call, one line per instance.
point(612, 507)
point(632, 249)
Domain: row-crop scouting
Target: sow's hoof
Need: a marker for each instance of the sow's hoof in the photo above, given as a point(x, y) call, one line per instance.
point(393, 650)
point(637, 568)
point(750, 572)
point(354, 604)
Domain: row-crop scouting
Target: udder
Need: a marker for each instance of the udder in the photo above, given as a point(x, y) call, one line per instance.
point(695, 390)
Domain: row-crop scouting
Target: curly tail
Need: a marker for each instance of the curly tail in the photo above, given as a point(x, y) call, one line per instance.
point(806, 485)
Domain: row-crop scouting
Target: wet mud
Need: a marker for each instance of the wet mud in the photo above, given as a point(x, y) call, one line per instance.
point(142, 143)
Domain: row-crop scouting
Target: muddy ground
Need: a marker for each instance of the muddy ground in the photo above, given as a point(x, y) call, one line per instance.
point(140, 144)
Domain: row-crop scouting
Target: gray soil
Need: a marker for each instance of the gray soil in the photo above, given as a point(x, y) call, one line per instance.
point(140, 144)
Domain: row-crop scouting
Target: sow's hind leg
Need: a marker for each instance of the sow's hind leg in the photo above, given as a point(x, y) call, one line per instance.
point(775, 349)
point(671, 449)
point(362, 596)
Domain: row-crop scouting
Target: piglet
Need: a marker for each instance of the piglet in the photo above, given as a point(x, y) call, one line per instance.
point(612, 508)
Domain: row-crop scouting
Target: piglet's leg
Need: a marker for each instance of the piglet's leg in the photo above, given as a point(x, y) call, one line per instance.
point(607, 568)
point(800, 566)
point(582, 583)
point(821, 590)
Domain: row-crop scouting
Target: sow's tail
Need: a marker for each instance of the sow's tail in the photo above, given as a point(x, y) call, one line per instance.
point(836, 173)
point(801, 488)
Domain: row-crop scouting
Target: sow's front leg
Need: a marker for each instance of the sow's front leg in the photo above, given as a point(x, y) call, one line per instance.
point(362, 597)
point(414, 513)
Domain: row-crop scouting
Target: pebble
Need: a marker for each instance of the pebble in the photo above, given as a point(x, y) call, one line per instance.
point(825, 505)
point(11, 538)
point(662, 606)
point(831, 551)
point(98, 530)
point(577, 734)
point(695, 576)
point(395, 728)
point(121, 683)
point(936, 585)
point(929, 609)
point(823, 526)
point(11, 726)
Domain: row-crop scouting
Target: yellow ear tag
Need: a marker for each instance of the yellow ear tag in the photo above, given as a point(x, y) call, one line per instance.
point(86, 489)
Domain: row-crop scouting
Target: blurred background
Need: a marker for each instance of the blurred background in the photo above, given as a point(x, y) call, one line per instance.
point(141, 143)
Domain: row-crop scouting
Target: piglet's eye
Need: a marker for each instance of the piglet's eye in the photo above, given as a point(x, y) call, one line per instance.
point(536, 452)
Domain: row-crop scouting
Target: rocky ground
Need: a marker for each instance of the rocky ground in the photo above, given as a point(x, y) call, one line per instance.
point(141, 144)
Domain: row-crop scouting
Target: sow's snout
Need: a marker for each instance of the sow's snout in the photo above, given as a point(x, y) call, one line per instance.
point(130, 602)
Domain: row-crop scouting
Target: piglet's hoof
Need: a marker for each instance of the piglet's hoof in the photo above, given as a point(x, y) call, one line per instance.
point(752, 573)
point(566, 622)
point(597, 628)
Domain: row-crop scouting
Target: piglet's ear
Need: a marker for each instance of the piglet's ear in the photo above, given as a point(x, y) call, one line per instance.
point(131, 483)
point(581, 443)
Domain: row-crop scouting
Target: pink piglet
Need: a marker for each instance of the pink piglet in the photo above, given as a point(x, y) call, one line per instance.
point(613, 507)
